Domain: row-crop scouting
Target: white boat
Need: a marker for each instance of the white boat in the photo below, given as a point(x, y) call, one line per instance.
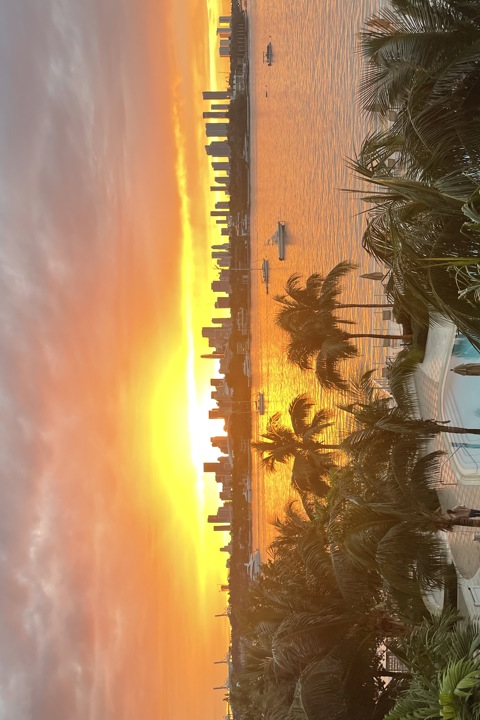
point(281, 240)
point(265, 271)
point(253, 565)
point(278, 238)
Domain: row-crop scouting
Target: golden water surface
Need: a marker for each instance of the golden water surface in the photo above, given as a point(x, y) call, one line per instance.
point(304, 123)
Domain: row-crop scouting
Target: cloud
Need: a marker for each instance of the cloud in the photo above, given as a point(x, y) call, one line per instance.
point(81, 288)
point(89, 281)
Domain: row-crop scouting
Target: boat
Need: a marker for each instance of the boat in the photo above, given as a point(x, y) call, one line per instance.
point(278, 238)
point(253, 565)
point(265, 271)
point(247, 367)
point(261, 403)
point(281, 240)
point(268, 54)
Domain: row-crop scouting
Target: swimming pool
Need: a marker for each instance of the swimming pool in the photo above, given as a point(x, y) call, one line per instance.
point(461, 405)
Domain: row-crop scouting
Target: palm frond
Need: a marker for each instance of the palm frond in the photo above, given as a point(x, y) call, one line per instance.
point(299, 411)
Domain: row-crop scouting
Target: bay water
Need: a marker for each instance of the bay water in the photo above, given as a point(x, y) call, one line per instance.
point(304, 125)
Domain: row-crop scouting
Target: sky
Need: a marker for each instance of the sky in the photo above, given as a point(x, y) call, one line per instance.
point(109, 575)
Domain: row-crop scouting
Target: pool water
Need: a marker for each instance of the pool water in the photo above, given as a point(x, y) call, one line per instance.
point(461, 405)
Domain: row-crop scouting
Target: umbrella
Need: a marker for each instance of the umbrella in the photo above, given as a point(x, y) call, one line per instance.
point(467, 369)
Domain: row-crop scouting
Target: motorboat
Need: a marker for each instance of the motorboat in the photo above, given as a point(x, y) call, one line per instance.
point(261, 403)
point(268, 54)
point(265, 272)
point(279, 239)
point(253, 565)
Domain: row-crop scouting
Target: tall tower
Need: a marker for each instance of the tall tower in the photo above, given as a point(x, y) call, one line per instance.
point(216, 94)
point(221, 166)
point(216, 129)
point(218, 148)
point(215, 114)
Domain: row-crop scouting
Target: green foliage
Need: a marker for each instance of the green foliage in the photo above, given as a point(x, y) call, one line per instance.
point(422, 61)
point(445, 669)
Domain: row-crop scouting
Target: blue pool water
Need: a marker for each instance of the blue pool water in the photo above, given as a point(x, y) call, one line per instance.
point(461, 405)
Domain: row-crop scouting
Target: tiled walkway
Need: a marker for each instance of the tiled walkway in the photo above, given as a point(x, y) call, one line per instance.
point(465, 550)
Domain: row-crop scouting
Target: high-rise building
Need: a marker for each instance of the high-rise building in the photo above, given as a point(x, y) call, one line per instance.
point(222, 463)
point(216, 94)
point(223, 302)
point(213, 356)
point(223, 260)
point(220, 442)
point(221, 286)
point(224, 514)
point(225, 165)
point(218, 148)
point(217, 114)
point(216, 129)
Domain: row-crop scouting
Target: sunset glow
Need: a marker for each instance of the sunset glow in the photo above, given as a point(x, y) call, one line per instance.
point(179, 388)
point(111, 573)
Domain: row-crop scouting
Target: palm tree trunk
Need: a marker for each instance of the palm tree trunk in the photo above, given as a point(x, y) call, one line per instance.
point(365, 305)
point(466, 522)
point(453, 429)
point(379, 336)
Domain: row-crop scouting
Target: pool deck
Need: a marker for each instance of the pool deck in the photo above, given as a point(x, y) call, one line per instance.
point(454, 489)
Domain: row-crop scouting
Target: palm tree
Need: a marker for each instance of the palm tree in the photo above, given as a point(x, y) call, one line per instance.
point(281, 666)
point(389, 527)
point(378, 426)
point(344, 685)
point(298, 622)
point(377, 419)
point(419, 229)
point(384, 517)
point(308, 315)
point(320, 293)
point(445, 666)
point(312, 458)
point(411, 42)
point(422, 61)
